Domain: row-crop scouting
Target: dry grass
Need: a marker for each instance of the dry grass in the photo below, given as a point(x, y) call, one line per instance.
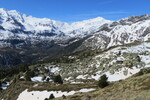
point(134, 88)
point(63, 87)
point(13, 91)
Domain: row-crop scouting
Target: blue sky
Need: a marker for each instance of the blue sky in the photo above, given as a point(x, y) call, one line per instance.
point(77, 10)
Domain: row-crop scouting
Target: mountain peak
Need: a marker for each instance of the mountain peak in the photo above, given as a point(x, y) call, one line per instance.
point(98, 18)
point(3, 12)
point(2, 9)
point(13, 12)
point(10, 13)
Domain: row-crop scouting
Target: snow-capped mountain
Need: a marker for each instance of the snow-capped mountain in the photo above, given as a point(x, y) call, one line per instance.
point(76, 54)
point(124, 31)
point(38, 37)
point(42, 37)
point(13, 23)
point(85, 27)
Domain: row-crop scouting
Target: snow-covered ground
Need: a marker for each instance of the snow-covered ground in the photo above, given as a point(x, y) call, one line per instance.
point(143, 51)
point(41, 95)
point(54, 70)
point(120, 75)
point(37, 79)
point(40, 79)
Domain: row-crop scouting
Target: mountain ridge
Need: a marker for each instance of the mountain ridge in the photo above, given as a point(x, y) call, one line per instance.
point(21, 33)
point(78, 54)
point(35, 24)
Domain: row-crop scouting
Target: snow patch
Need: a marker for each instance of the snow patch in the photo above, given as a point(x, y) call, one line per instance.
point(120, 74)
point(37, 79)
point(41, 95)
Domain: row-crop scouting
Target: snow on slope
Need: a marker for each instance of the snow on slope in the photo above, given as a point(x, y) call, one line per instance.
point(118, 75)
point(104, 33)
point(41, 95)
point(12, 20)
point(117, 63)
point(85, 27)
point(130, 33)
point(142, 50)
point(124, 31)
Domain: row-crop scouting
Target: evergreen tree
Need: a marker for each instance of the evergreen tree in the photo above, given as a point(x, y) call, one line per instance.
point(29, 74)
point(64, 97)
point(58, 79)
point(103, 81)
point(27, 77)
point(47, 80)
point(46, 99)
point(51, 96)
point(138, 58)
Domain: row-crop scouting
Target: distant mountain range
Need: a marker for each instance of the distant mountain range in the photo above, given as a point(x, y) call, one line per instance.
point(17, 25)
point(26, 39)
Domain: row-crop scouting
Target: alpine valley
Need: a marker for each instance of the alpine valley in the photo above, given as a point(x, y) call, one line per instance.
point(41, 58)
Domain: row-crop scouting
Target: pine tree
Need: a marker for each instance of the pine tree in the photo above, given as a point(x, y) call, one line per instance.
point(47, 80)
point(103, 81)
point(51, 96)
point(64, 97)
point(58, 79)
point(46, 99)
point(28, 75)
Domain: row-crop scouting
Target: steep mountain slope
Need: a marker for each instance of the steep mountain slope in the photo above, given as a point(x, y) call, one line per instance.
point(15, 24)
point(117, 63)
point(124, 31)
point(28, 36)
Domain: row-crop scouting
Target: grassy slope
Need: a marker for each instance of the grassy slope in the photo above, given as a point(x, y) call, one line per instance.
point(135, 88)
point(13, 91)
